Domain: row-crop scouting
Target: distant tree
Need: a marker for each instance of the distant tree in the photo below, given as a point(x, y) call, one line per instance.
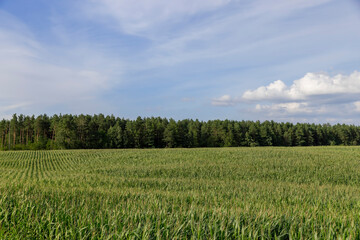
point(66, 136)
point(14, 126)
point(116, 136)
point(252, 135)
point(99, 131)
point(3, 126)
point(170, 134)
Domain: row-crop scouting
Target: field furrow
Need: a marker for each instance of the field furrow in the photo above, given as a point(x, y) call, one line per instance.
point(228, 193)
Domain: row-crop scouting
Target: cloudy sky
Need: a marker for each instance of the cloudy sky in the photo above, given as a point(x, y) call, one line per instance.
point(280, 60)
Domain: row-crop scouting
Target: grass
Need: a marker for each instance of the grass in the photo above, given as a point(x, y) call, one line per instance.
point(223, 193)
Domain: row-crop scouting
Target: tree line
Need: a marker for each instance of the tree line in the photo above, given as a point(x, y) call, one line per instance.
point(99, 131)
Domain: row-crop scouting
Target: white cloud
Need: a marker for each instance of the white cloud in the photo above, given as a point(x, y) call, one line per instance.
point(14, 106)
point(274, 90)
point(143, 16)
point(316, 94)
point(292, 107)
point(30, 79)
point(183, 31)
point(311, 85)
point(357, 106)
point(23, 76)
point(225, 100)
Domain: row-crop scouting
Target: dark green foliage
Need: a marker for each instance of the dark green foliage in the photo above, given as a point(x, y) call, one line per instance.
point(99, 131)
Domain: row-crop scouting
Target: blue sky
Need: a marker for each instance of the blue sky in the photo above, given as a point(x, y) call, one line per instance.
point(280, 60)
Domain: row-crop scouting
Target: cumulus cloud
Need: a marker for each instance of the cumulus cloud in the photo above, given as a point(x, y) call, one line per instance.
point(314, 94)
point(312, 84)
point(274, 90)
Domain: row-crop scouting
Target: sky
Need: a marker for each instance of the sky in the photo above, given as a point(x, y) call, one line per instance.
point(296, 61)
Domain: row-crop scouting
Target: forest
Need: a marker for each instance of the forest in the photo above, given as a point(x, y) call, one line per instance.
point(100, 131)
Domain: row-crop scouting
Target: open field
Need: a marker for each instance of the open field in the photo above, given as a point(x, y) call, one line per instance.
point(240, 193)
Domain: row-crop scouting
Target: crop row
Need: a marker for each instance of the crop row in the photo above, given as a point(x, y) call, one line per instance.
point(230, 193)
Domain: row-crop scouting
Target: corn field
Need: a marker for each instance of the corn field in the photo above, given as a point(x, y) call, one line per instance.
point(223, 193)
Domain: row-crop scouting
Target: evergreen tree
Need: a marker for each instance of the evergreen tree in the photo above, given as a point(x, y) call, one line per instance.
point(99, 131)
